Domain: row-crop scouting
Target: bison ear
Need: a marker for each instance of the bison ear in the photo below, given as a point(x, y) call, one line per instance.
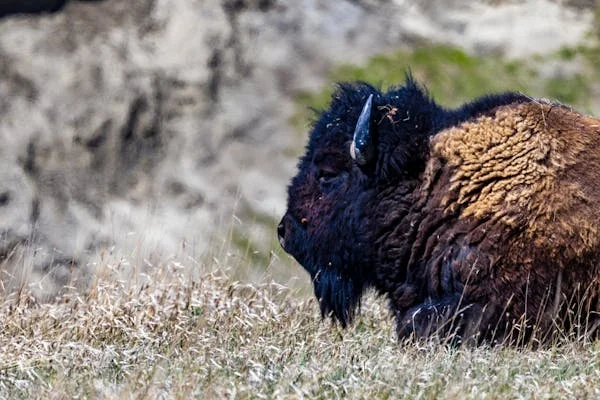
point(361, 149)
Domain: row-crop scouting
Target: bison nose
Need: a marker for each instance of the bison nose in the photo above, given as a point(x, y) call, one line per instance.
point(281, 232)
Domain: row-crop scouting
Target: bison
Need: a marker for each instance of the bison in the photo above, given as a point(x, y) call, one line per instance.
point(479, 223)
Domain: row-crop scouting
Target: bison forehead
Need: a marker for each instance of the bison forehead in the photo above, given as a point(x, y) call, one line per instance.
point(337, 122)
point(525, 165)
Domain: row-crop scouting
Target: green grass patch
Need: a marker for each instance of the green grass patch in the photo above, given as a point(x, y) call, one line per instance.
point(249, 250)
point(574, 89)
point(453, 77)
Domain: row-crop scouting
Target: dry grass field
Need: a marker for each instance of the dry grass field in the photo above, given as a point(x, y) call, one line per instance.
point(243, 323)
point(170, 334)
point(247, 325)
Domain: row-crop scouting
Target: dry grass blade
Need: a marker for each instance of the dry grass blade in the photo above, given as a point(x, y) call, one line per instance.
point(170, 337)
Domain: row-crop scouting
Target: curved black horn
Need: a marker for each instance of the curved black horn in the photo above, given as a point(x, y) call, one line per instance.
point(361, 149)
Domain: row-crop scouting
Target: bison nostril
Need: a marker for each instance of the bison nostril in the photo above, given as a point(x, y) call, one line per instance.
point(281, 231)
point(281, 234)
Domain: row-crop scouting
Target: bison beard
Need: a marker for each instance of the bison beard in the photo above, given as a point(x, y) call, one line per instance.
point(338, 296)
point(339, 277)
point(478, 223)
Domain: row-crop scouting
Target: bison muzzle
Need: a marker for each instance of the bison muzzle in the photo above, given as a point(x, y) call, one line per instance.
point(480, 223)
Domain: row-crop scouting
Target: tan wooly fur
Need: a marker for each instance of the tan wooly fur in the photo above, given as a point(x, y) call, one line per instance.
point(527, 175)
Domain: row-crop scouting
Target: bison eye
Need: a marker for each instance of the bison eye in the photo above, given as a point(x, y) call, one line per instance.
point(326, 176)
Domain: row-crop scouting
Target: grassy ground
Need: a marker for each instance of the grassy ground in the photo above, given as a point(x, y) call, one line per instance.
point(167, 336)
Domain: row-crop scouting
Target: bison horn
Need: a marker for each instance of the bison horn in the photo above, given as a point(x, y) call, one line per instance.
point(361, 149)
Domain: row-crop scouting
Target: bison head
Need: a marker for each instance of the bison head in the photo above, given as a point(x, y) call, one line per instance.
point(364, 144)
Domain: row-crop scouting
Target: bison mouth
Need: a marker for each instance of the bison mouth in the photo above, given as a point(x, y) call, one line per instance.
point(293, 239)
point(337, 292)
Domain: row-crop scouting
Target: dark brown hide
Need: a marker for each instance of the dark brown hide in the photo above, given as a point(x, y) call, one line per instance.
point(509, 215)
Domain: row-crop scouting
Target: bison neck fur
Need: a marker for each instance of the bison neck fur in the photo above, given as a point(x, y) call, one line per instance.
point(478, 224)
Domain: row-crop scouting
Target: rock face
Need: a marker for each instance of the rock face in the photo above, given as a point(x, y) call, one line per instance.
point(138, 128)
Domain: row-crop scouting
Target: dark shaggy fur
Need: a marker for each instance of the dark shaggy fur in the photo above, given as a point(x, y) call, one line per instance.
point(11, 7)
point(478, 222)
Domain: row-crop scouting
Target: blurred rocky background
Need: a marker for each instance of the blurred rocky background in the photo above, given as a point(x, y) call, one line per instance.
point(143, 131)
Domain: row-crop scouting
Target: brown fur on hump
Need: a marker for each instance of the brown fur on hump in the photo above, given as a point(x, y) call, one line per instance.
point(534, 167)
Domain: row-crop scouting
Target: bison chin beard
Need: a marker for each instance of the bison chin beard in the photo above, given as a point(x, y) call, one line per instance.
point(339, 296)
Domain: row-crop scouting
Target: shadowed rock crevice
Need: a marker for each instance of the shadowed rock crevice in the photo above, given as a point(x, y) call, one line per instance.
point(9, 7)
point(12, 7)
